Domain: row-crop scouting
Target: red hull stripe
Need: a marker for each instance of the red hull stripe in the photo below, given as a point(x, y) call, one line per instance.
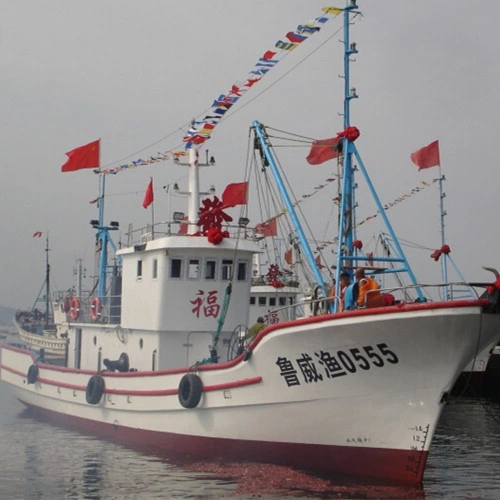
point(387, 465)
point(121, 392)
point(63, 385)
point(164, 392)
point(173, 392)
point(233, 385)
point(12, 370)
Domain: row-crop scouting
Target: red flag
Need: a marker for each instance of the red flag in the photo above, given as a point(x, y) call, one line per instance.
point(269, 54)
point(289, 257)
point(37, 234)
point(268, 228)
point(235, 194)
point(324, 150)
point(183, 228)
point(149, 195)
point(426, 157)
point(83, 157)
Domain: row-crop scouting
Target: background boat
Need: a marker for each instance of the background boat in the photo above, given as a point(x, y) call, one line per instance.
point(40, 327)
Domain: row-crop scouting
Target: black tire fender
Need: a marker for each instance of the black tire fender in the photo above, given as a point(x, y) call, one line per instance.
point(95, 390)
point(32, 374)
point(190, 390)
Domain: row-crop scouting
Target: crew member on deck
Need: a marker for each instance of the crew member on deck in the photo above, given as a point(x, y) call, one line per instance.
point(345, 281)
point(254, 330)
point(369, 290)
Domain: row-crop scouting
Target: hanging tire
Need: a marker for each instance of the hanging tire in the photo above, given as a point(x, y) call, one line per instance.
point(32, 374)
point(95, 390)
point(190, 390)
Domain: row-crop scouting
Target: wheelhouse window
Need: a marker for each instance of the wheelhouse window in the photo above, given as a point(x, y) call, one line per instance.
point(262, 301)
point(139, 269)
point(242, 271)
point(193, 269)
point(155, 269)
point(210, 269)
point(227, 269)
point(176, 268)
point(282, 301)
point(252, 301)
point(272, 301)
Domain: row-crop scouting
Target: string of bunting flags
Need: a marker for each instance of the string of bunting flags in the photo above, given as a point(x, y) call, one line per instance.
point(417, 189)
point(319, 187)
point(423, 185)
point(200, 130)
point(141, 162)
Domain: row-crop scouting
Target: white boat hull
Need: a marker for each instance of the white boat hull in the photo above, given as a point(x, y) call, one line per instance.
point(48, 342)
point(300, 399)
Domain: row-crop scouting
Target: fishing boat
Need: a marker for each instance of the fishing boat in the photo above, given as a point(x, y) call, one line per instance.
point(481, 376)
point(352, 392)
point(39, 327)
point(473, 377)
point(473, 380)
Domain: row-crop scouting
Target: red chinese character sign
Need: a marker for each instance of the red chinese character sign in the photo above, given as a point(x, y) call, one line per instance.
point(211, 220)
point(273, 276)
point(206, 304)
point(271, 318)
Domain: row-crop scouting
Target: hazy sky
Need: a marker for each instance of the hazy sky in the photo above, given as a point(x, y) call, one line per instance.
point(133, 73)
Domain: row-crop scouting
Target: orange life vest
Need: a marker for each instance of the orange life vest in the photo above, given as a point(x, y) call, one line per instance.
point(369, 292)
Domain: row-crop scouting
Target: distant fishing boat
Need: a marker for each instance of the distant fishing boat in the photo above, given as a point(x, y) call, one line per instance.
point(356, 392)
point(38, 326)
point(482, 375)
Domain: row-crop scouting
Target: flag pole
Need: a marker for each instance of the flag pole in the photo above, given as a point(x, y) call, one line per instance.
point(47, 281)
point(444, 263)
point(102, 235)
point(153, 211)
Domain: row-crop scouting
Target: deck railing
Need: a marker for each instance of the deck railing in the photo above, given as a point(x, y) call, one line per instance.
point(173, 228)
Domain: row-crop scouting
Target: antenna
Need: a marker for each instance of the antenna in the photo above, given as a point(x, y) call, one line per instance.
point(444, 261)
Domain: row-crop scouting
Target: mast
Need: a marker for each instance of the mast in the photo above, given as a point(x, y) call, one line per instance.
point(47, 282)
point(444, 261)
point(103, 235)
point(349, 257)
point(45, 288)
point(103, 239)
point(346, 221)
point(193, 191)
